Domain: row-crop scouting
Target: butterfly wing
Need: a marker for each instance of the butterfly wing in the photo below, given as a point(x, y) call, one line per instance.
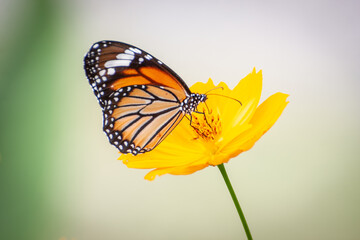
point(139, 95)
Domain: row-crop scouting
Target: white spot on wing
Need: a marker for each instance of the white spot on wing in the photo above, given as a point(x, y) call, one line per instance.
point(148, 57)
point(135, 50)
point(111, 71)
point(117, 63)
point(102, 72)
point(124, 56)
point(127, 51)
point(96, 45)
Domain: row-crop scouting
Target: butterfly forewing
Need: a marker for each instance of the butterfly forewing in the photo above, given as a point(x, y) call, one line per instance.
point(140, 96)
point(113, 65)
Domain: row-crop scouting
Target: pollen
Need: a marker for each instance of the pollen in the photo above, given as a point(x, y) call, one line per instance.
point(206, 125)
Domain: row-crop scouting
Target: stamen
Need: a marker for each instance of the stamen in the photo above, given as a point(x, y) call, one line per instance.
point(207, 125)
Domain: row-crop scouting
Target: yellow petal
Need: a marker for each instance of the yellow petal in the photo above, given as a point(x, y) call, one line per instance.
point(263, 119)
point(235, 117)
point(219, 158)
point(200, 87)
point(184, 170)
point(248, 91)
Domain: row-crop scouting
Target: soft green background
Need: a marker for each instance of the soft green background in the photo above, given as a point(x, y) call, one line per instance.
point(59, 177)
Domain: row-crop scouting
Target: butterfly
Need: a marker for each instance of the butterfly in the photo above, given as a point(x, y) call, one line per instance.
point(142, 99)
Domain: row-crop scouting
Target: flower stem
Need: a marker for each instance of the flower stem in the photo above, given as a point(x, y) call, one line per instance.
point(236, 202)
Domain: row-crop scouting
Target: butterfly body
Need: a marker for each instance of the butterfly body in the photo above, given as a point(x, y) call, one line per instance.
point(190, 103)
point(142, 99)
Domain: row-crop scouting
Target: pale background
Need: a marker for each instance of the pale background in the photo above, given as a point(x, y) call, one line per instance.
point(59, 177)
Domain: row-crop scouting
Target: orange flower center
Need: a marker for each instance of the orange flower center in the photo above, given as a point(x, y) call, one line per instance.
point(207, 125)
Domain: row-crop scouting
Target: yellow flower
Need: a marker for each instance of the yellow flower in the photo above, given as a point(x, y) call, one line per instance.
point(226, 129)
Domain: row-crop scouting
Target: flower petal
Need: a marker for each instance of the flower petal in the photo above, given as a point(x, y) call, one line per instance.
point(200, 87)
point(183, 170)
point(235, 117)
point(248, 91)
point(263, 119)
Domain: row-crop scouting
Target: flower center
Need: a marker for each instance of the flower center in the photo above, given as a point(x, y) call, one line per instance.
point(207, 125)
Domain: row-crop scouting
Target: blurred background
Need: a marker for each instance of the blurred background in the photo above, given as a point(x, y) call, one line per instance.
point(60, 178)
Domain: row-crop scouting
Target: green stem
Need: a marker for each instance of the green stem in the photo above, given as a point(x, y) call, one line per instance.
point(236, 202)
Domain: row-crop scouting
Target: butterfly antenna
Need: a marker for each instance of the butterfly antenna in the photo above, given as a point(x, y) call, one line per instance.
point(214, 89)
point(225, 97)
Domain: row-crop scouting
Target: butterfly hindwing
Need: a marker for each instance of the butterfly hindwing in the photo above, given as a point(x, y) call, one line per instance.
point(138, 118)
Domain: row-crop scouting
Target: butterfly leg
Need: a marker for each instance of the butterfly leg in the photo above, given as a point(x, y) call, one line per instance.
point(190, 119)
point(195, 128)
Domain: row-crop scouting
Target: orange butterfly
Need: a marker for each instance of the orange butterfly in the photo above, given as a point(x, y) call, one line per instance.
point(142, 99)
